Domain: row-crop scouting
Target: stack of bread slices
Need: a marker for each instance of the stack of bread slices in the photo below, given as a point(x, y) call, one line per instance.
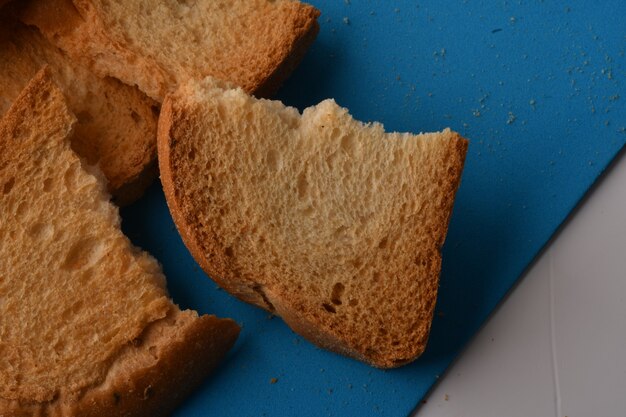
point(330, 223)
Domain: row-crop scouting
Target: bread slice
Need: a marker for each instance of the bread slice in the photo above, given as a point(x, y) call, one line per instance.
point(116, 123)
point(86, 328)
point(332, 224)
point(159, 44)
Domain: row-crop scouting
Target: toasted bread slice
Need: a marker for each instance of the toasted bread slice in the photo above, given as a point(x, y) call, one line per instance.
point(158, 44)
point(86, 328)
point(334, 225)
point(116, 123)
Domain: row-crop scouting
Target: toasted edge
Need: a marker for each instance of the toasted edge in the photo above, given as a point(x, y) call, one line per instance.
point(304, 38)
point(265, 297)
point(134, 389)
point(127, 186)
point(309, 329)
point(157, 390)
point(131, 388)
point(63, 19)
point(301, 324)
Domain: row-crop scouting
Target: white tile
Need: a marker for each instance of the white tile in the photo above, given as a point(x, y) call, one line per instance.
point(509, 368)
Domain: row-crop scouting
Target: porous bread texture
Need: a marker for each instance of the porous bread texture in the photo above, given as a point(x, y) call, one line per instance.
point(116, 125)
point(85, 317)
point(159, 45)
point(332, 224)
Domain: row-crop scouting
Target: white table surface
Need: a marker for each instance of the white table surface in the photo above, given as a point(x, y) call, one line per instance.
point(557, 345)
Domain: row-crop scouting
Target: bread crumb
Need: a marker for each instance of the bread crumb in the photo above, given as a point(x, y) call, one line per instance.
point(346, 21)
point(446, 397)
point(511, 119)
point(273, 380)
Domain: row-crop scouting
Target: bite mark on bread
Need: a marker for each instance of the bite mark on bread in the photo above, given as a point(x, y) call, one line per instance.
point(332, 224)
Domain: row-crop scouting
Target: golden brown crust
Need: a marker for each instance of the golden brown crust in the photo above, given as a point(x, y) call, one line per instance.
point(320, 334)
point(146, 377)
point(136, 386)
point(80, 28)
point(167, 181)
point(293, 53)
point(177, 127)
point(116, 123)
point(158, 389)
point(216, 268)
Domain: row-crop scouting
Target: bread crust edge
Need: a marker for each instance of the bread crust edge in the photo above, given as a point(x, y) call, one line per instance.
point(147, 391)
point(157, 390)
point(311, 331)
point(270, 85)
point(141, 390)
point(266, 298)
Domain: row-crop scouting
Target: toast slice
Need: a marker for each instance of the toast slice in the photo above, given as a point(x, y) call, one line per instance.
point(116, 125)
point(332, 224)
point(86, 325)
point(157, 44)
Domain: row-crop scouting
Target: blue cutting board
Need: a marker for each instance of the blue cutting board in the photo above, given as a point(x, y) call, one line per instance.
point(538, 88)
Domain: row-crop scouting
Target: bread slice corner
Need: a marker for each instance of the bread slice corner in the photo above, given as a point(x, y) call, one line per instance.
point(116, 126)
point(330, 223)
point(87, 327)
point(254, 44)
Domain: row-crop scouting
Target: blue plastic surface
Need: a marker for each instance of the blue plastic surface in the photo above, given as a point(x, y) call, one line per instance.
point(538, 88)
